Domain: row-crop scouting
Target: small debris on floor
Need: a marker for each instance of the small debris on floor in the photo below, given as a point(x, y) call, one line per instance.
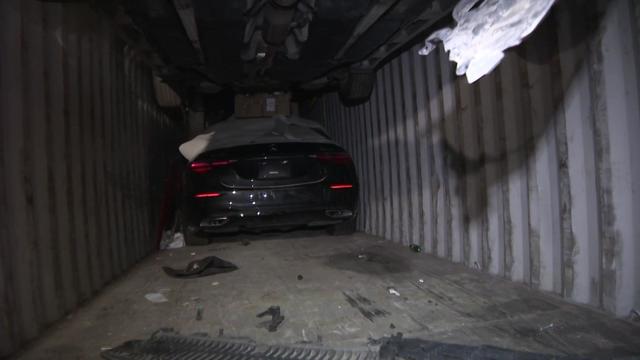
point(392, 326)
point(156, 298)
point(421, 281)
point(245, 243)
point(215, 283)
point(300, 277)
point(276, 318)
point(105, 348)
point(193, 254)
point(393, 291)
point(172, 241)
point(547, 327)
point(363, 257)
point(415, 248)
point(204, 267)
point(199, 312)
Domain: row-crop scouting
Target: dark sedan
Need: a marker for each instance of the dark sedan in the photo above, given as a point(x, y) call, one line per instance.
point(268, 173)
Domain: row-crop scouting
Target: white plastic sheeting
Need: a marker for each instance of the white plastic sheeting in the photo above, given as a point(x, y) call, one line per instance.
point(484, 30)
point(234, 132)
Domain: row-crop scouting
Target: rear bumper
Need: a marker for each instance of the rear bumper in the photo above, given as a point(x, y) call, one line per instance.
point(265, 210)
point(219, 223)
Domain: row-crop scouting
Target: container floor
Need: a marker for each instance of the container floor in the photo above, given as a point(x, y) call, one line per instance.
point(339, 291)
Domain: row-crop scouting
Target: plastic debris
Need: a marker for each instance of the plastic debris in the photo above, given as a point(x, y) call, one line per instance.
point(172, 240)
point(393, 291)
point(204, 267)
point(415, 248)
point(215, 283)
point(484, 30)
point(245, 243)
point(276, 318)
point(420, 281)
point(156, 298)
point(194, 147)
point(547, 327)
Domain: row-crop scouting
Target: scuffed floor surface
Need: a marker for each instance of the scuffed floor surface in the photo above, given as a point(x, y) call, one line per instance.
point(337, 291)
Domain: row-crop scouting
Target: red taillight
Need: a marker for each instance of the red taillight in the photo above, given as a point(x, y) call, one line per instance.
point(335, 158)
point(201, 167)
point(222, 162)
point(207, 195)
point(340, 186)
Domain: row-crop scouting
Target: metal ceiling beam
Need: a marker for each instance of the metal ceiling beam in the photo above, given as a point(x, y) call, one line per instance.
point(438, 10)
point(374, 14)
point(188, 18)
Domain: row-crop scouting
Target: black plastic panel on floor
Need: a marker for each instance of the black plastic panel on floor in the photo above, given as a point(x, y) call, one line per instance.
point(167, 344)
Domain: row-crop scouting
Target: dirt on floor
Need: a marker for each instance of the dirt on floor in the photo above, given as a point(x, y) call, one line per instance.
point(336, 291)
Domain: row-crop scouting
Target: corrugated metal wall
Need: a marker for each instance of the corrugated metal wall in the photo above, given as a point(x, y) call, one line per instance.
point(80, 132)
point(532, 173)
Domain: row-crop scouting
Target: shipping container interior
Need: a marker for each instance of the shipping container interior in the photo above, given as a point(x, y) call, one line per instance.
point(496, 219)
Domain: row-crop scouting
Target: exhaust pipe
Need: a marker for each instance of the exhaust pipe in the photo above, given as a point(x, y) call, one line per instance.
point(214, 222)
point(339, 214)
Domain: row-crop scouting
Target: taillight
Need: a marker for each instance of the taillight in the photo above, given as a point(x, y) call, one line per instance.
point(334, 158)
point(340, 186)
point(201, 167)
point(207, 195)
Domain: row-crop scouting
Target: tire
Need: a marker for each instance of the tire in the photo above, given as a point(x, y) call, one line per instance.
point(357, 87)
point(346, 228)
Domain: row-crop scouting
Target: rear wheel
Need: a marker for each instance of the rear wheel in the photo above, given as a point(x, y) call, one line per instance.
point(345, 228)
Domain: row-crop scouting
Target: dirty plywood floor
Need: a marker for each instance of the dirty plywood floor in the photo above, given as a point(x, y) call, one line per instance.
point(340, 298)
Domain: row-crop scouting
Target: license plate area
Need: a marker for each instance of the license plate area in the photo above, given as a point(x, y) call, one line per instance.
point(274, 169)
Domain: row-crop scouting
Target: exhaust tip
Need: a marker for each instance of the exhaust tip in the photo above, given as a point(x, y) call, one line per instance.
point(214, 222)
point(339, 214)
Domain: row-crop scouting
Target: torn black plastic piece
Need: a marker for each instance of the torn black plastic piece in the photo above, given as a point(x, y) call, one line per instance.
point(276, 318)
point(204, 267)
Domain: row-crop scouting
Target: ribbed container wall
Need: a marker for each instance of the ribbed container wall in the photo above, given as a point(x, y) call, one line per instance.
point(80, 135)
point(532, 173)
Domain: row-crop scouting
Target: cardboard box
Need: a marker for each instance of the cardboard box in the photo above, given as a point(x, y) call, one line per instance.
point(262, 105)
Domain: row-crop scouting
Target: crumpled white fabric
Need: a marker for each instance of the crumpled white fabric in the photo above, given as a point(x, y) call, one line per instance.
point(194, 147)
point(481, 36)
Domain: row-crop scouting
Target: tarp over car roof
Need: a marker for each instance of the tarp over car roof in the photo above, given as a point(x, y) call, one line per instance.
point(246, 131)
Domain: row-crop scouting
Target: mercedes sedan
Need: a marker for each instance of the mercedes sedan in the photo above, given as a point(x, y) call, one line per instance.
point(267, 173)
